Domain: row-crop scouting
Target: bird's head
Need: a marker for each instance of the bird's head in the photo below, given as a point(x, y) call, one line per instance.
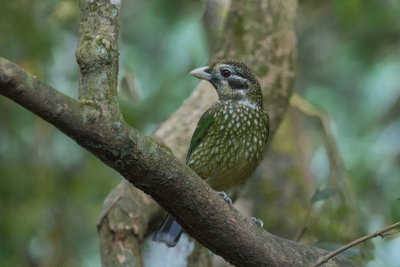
point(232, 80)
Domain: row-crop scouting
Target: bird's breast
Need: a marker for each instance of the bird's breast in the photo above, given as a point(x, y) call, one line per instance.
point(232, 148)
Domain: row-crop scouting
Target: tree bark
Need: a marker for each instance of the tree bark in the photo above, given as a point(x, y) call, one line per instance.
point(95, 122)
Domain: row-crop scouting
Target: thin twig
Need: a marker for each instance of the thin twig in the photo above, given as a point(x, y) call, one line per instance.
point(356, 242)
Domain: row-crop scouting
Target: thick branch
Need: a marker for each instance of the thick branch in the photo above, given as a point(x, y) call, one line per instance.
point(172, 184)
point(27, 90)
point(124, 219)
point(97, 51)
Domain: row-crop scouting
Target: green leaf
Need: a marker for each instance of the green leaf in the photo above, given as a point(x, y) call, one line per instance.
point(323, 194)
point(395, 208)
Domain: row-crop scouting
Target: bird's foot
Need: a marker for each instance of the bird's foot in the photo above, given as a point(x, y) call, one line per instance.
point(257, 221)
point(225, 196)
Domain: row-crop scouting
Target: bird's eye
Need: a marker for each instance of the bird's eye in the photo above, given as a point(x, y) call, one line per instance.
point(225, 72)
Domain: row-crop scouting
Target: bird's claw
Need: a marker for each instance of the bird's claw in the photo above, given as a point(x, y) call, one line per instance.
point(225, 196)
point(257, 221)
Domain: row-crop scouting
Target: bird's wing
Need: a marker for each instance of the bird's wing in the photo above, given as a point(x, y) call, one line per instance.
point(266, 124)
point(201, 130)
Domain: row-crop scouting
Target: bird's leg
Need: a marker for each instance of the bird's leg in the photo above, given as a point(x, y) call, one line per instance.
point(257, 221)
point(225, 196)
point(229, 200)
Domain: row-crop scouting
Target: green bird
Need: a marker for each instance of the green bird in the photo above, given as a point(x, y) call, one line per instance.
point(230, 137)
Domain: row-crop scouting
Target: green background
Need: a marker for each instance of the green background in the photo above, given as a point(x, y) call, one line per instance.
point(51, 190)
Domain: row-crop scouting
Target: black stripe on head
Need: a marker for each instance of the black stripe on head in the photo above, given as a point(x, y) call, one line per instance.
point(215, 82)
point(240, 68)
point(238, 83)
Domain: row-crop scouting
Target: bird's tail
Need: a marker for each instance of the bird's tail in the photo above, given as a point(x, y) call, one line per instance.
point(169, 232)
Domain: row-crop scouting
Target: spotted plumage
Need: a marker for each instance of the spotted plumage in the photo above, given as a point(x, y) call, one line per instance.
point(230, 137)
point(232, 146)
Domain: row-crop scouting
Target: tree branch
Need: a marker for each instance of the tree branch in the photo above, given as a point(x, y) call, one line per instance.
point(95, 123)
point(124, 219)
point(178, 189)
point(27, 90)
point(97, 51)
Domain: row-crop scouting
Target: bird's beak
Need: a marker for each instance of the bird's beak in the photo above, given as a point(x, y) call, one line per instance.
point(201, 73)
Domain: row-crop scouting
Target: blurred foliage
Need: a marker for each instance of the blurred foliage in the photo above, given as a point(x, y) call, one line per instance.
point(171, 32)
point(51, 190)
point(348, 65)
